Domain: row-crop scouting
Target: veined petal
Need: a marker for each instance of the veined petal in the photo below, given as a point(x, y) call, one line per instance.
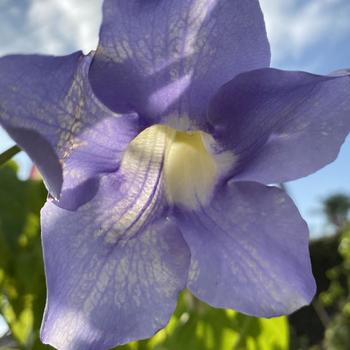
point(169, 57)
point(281, 125)
point(115, 266)
point(249, 251)
point(48, 108)
point(28, 84)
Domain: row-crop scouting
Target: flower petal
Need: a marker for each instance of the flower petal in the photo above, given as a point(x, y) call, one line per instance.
point(249, 251)
point(168, 57)
point(114, 269)
point(48, 108)
point(281, 125)
point(27, 85)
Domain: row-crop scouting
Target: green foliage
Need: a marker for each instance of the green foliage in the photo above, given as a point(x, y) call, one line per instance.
point(326, 323)
point(22, 281)
point(197, 326)
point(307, 326)
point(337, 296)
point(336, 208)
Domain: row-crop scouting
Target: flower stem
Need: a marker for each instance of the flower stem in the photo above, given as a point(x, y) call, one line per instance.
point(7, 155)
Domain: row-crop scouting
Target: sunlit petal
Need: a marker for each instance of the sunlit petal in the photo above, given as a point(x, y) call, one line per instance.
point(281, 125)
point(112, 263)
point(146, 46)
point(249, 251)
point(48, 108)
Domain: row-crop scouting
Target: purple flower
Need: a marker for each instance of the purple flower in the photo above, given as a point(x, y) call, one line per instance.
point(157, 151)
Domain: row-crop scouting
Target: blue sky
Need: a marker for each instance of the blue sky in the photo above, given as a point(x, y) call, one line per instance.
point(312, 35)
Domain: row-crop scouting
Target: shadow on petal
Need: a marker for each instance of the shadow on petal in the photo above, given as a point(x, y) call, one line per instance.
point(42, 154)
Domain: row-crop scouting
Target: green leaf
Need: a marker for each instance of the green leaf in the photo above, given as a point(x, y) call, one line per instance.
point(197, 326)
point(22, 280)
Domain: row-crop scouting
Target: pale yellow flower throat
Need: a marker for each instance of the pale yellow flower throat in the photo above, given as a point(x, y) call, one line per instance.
point(190, 171)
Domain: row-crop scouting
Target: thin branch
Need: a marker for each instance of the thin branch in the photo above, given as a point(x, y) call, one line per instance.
point(7, 155)
point(321, 313)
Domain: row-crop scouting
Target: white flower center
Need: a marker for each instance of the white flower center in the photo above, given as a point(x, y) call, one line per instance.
point(189, 169)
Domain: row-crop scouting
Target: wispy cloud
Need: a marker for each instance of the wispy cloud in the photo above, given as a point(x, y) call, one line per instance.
point(49, 26)
point(65, 24)
point(61, 26)
point(295, 25)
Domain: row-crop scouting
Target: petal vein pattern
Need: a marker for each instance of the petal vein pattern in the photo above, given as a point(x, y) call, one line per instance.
point(48, 108)
point(254, 260)
point(127, 254)
point(281, 125)
point(101, 294)
point(141, 169)
point(192, 46)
